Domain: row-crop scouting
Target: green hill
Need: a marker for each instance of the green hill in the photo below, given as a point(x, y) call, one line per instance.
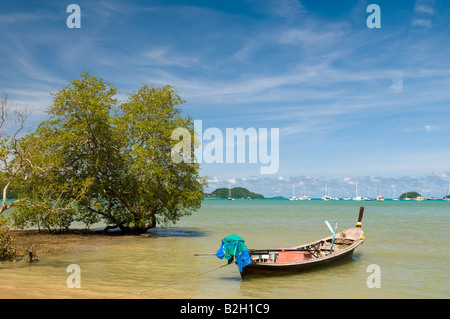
point(410, 195)
point(236, 192)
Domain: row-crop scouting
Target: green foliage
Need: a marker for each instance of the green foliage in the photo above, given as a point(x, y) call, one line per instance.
point(101, 159)
point(14, 157)
point(45, 214)
point(410, 195)
point(236, 192)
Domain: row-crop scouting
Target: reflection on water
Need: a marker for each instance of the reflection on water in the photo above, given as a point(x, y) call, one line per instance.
point(400, 237)
point(174, 232)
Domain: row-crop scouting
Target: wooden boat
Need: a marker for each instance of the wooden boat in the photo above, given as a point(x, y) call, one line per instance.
point(319, 253)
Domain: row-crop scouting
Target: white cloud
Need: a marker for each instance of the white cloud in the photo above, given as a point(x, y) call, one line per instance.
point(421, 22)
point(397, 85)
point(23, 17)
point(443, 175)
point(163, 57)
point(428, 128)
point(213, 179)
point(245, 52)
point(313, 76)
point(422, 12)
point(308, 36)
point(289, 9)
point(423, 8)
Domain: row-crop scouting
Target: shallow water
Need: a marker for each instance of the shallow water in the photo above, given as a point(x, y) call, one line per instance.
point(408, 241)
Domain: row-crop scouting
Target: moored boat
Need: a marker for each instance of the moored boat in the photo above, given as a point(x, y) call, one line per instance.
point(315, 254)
point(307, 256)
point(293, 195)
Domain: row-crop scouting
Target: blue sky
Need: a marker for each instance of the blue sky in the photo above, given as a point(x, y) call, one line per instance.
point(351, 103)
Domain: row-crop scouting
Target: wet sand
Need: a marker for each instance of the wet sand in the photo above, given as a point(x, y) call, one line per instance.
point(44, 243)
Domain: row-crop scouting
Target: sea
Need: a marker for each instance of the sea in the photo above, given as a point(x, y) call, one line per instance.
point(405, 255)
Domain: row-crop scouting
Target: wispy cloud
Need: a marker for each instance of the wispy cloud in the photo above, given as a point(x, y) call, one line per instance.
point(334, 88)
point(166, 57)
point(307, 37)
point(425, 128)
point(290, 9)
point(423, 10)
point(421, 7)
point(430, 128)
point(27, 17)
point(421, 22)
point(397, 85)
point(245, 52)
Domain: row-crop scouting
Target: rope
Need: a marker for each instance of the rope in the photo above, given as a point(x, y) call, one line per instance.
point(173, 283)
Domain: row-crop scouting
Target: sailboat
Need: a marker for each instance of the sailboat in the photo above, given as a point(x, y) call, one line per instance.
point(358, 198)
point(229, 193)
point(332, 198)
point(325, 196)
point(293, 194)
point(406, 197)
point(304, 197)
point(379, 197)
point(367, 198)
point(394, 198)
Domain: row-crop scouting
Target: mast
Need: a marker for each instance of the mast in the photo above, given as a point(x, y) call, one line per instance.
point(229, 192)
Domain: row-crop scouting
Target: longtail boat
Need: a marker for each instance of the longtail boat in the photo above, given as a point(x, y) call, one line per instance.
point(319, 253)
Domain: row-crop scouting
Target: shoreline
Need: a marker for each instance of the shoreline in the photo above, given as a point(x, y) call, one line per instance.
point(45, 244)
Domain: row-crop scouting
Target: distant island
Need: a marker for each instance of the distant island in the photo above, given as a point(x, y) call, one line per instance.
point(236, 192)
point(410, 195)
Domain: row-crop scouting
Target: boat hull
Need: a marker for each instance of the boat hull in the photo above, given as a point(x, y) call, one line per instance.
point(257, 269)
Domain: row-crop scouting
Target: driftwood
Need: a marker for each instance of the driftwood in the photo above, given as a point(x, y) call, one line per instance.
point(30, 256)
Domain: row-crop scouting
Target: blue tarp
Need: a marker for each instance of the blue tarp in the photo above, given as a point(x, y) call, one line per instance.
point(232, 247)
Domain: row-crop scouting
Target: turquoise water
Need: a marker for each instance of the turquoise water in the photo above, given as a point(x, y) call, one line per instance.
point(407, 240)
